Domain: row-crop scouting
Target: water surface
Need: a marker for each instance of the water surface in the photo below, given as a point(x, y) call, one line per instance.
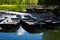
point(41, 34)
point(21, 34)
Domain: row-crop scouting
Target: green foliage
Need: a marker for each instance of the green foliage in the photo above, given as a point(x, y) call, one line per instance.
point(20, 4)
point(14, 8)
point(40, 2)
point(17, 1)
point(52, 2)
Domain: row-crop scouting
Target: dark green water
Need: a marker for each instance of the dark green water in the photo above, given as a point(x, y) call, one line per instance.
point(38, 34)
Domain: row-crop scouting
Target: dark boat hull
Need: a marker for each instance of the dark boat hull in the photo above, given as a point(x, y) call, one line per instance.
point(32, 27)
point(9, 27)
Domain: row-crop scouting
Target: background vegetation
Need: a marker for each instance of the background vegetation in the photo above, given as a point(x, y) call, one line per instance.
point(16, 5)
point(49, 2)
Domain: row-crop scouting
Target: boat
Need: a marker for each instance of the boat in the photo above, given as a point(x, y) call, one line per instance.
point(50, 21)
point(31, 21)
point(39, 19)
point(53, 21)
point(9, 21)
point(28, 21)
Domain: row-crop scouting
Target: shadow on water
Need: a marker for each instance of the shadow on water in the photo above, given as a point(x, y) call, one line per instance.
point(41, 29)
point(30, 29)
point(21, 34)
point(9, 29)
point(43, 33)
point(50, 32)
point(33, 30)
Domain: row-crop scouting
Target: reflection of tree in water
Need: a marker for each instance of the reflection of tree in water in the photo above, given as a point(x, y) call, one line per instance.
point(52, 34)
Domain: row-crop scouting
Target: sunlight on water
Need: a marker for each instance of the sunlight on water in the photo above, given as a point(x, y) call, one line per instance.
point(41, 34)
point(20, 31)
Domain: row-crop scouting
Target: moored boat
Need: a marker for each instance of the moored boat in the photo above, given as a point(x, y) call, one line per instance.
point(31, 21)
point(53, 21)
point(9, 21)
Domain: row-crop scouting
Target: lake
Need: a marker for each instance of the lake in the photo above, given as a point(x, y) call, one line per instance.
point(22, 34)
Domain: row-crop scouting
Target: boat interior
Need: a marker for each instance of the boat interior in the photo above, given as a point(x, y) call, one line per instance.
point(9, 19)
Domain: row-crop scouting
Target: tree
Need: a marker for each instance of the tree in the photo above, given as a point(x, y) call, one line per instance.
point(40, 2)
point(52, 3)
point(49, 2)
